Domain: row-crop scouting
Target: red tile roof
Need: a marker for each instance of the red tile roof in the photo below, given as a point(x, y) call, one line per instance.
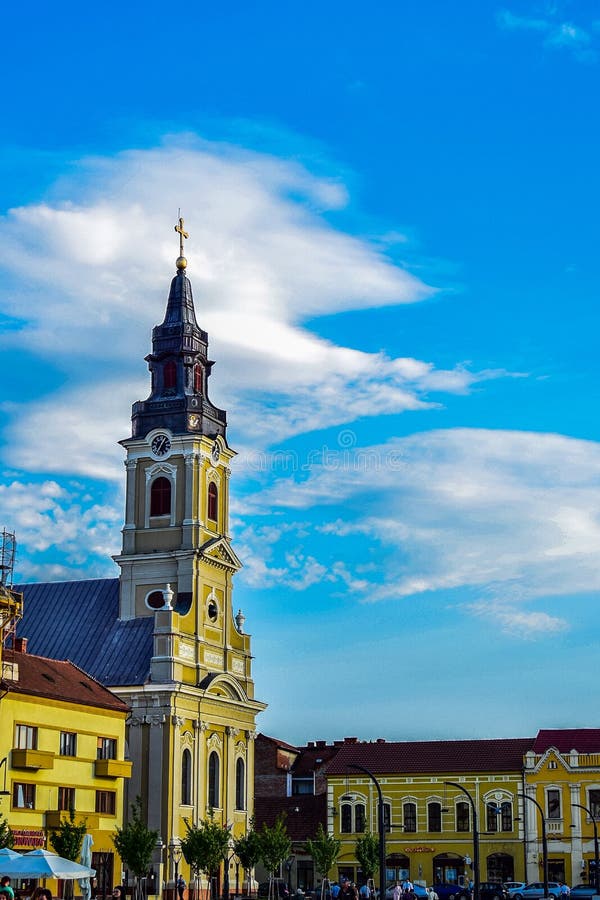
point(584, 740)
point(498, 755)
point(58, 680)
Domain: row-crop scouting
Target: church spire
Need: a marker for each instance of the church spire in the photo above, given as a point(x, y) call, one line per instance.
point(180, 367)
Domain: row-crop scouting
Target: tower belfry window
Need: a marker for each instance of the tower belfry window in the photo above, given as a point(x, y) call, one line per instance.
point(170, 375)
point(213, 501)
point(198, 378)
point(160, 497)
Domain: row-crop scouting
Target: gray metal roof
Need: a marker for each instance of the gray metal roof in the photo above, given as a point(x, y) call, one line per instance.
point(78, 621)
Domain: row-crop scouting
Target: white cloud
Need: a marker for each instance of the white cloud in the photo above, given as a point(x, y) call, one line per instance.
point(89, 272)
point(513, 516)
point(521, 623)
point(49, 517)
point(561, 35)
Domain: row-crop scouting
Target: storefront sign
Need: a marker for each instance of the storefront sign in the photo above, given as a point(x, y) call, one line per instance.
point(419, 849)
point(28, 837)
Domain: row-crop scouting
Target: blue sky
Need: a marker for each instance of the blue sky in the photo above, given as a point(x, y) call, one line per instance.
point(394, 247)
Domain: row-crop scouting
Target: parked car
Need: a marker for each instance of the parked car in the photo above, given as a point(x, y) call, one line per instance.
point(492, 890)
point(280, 889)
point(452, 891)
point(583, 891)
point(514, 887)
point(535, 890)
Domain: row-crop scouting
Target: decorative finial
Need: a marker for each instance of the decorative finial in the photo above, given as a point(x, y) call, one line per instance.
point(181, 261)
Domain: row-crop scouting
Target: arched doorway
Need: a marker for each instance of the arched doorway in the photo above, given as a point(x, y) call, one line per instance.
point(500, 867)
point(448, 868)
point(397, 868)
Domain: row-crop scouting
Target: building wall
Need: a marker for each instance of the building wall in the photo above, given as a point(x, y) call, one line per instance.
point(417, 854)
point(47, 770)
point(571, 776)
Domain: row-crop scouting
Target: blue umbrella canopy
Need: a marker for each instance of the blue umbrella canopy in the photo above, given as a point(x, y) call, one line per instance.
point(7, 853)
point(44, 864)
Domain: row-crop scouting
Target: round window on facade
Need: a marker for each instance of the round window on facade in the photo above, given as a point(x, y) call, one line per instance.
point(155, 600)
point(212, 609)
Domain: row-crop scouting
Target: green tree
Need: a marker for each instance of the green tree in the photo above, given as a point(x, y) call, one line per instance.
point(135, 843)
point(247, 850)
point(67, 840)
point(367, 854)
point(324, 849)
point(275, 847)
point(6, 835)
point(205, 847)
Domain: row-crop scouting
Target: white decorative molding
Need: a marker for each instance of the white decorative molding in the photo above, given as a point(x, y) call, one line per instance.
point(237, 666)
point(177, 720)
point(251, 735)
point(213, 659)
point(214, 742)
point(231, 731)
point(185, 651)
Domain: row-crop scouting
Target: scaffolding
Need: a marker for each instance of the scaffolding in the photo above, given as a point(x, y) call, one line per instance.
point(11, 602)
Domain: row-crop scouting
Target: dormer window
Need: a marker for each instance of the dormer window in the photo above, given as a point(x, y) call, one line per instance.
point(160, 497)
point(213, 500)
point(170, 375)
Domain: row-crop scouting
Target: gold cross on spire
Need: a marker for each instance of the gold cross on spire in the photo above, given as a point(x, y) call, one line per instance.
point(182, 234)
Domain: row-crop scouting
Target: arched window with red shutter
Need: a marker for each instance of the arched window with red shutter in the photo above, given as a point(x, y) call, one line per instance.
point(160, 497)
point(213, 501)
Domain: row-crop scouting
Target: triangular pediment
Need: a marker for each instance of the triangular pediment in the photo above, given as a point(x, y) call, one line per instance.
point(218, 552)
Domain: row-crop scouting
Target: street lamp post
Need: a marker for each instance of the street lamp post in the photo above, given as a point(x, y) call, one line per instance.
point(381, 827)
point(475, 837)
point(596, 860)
point(175, 854)
point(544, 840)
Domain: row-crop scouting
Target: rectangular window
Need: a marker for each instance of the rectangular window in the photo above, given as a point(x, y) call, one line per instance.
point(506, 815)
point(462, 816)
point(553, 800)
point(434, 817)
point(302, 785)
point(105, 802)
point(492, 817)
point(387, 816)
point(107, 748)
point(26, 737)
point(410, 816)
point(66, 799)
point(68, 743)
point(23, 795)
point(594, 802)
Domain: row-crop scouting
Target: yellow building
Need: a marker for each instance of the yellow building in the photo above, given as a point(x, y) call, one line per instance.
point(562, 774)
point(63, 736)
point(430, 823)
point(164, 636)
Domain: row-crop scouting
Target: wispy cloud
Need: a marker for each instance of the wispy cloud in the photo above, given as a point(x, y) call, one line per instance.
point(576, 39)
point(513, 517)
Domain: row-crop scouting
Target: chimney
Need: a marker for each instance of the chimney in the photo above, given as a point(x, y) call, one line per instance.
point(20, 644)
point(351, 740)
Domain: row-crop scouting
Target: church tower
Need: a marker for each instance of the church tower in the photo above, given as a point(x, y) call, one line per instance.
point(193, 724)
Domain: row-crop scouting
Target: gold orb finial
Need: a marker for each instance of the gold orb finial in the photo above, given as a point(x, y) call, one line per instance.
point(181, 262)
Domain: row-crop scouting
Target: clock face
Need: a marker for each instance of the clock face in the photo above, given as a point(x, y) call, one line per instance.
point(215, 452)
point(160, 445)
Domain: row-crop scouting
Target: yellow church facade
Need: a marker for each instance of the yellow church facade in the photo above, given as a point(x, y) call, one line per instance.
point(164, 635)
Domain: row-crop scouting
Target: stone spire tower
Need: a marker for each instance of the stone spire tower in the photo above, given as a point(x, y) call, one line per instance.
point(193, 723)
